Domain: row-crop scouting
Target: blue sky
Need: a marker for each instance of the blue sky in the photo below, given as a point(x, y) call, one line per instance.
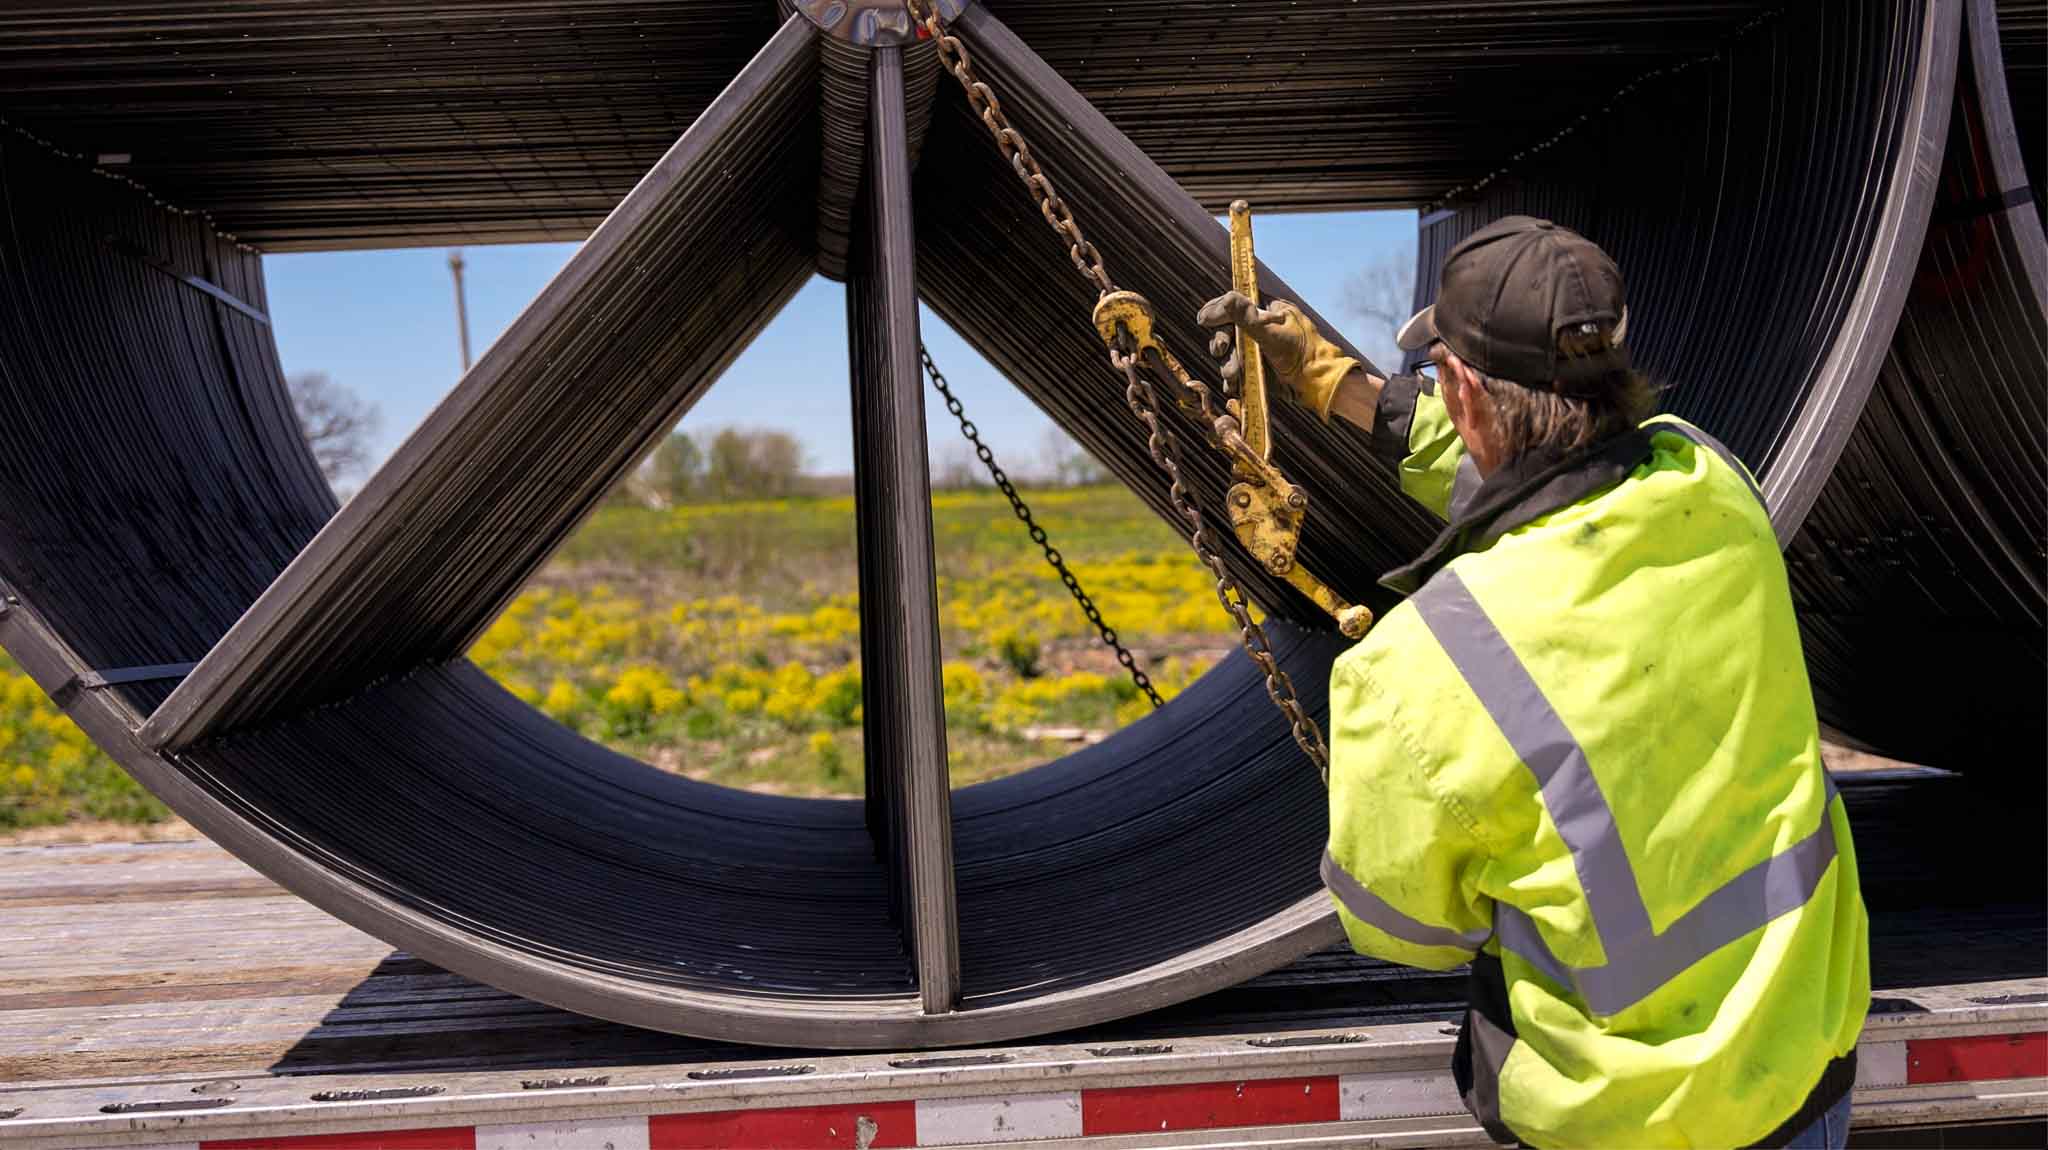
point(382, 324)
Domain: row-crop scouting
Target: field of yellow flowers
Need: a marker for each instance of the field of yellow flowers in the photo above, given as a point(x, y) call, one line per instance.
point(722, 641)
point(50, 772)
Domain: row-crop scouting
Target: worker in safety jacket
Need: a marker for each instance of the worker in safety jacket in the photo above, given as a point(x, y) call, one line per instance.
point(1582, 756)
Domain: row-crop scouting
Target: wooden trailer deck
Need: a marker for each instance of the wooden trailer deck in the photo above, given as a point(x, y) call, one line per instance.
point(137, 980)
point(128, 961)
point(131, 960)
point(138, 960)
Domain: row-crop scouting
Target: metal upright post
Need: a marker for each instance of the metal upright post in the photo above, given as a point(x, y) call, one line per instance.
point(909, 799)
point(461, 304)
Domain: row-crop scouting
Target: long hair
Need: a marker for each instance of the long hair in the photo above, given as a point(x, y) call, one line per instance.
point(1541, 419)
point(1532, 420)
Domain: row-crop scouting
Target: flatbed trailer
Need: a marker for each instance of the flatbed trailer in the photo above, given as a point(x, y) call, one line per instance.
point(166, 995)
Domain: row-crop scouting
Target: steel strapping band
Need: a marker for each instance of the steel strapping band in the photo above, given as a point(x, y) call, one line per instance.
point(101, 680)
point(199, 282)
point(96, 680)
point(1639, 958)
point(1990, 205)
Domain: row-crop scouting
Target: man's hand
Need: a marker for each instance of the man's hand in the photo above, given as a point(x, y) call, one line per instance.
point(1309, 366)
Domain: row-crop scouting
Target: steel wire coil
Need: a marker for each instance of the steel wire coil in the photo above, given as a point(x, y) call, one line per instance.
point(392, 122)
point(153, 484)
point(1907, 484)
point(1921, 574)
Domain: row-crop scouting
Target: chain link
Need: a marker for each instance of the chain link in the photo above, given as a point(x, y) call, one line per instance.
point(1023, 512)
point(1165, 449)
point(1139, 393)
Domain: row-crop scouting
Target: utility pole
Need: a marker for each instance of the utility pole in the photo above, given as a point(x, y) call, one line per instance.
point(461, 304)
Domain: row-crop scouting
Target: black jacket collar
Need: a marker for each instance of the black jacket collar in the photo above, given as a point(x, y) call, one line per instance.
point(1530, 487)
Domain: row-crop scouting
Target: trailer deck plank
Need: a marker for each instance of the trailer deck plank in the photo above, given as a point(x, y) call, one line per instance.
point(174, 958)
point(162, 971)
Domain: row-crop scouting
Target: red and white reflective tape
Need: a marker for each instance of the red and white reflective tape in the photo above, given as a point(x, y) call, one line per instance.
point(1095, 1112)
point(1969, 1058)
point(1983, 1056)
point(935, 1121)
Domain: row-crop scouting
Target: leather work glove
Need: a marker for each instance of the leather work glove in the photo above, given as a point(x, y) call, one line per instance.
point(1303, 361)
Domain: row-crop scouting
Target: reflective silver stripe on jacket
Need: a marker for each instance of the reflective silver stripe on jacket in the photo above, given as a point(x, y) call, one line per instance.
point(1639, 959)
point(1368, 907)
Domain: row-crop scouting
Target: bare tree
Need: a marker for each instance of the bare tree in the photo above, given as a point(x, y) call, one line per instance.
point(337, 424)
point(1380, 296)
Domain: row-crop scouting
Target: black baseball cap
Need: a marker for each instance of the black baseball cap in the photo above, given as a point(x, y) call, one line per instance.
point(1510, 289)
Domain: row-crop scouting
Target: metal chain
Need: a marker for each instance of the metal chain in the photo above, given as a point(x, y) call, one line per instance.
point(1139, 394)
point(1023, 512)
point(1165, 449)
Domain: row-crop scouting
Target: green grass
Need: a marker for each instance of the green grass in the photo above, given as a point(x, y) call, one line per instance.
point(722, 642)
point(50, 772)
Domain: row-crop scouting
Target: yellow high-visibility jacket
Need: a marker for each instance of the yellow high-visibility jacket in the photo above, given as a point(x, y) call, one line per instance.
point(1583, 757)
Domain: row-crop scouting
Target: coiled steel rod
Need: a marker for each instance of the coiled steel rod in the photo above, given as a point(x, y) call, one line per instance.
point(1835, 261)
